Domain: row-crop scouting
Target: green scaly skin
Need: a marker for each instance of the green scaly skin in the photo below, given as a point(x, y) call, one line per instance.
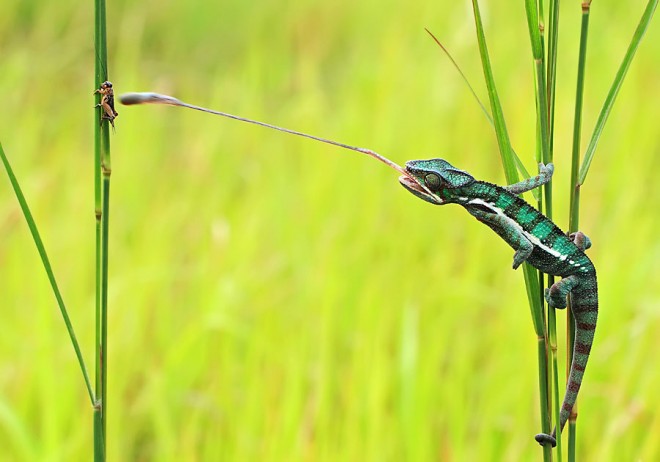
point(536, 240)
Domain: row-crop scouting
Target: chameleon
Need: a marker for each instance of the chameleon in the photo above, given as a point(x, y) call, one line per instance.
point(535, 239)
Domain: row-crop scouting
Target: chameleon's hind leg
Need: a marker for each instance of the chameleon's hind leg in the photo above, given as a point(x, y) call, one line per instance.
point(556, 294)
point(525, 249)
point(545, 173)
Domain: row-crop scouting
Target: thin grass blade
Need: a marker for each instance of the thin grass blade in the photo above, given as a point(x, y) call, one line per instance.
point(49, 270)
point(531, 274)
point(498, 117)
point(519, 165)
point(531, 278)
point(614, 89)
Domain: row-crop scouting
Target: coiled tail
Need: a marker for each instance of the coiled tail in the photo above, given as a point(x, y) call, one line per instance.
point(584, 303)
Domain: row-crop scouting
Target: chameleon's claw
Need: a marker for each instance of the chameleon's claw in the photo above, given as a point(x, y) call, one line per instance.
point(523, 253)
point(544, 438)
point(517, 260)
point(548, 169)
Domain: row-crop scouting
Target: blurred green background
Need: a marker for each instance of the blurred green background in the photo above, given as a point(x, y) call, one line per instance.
point(273, 298)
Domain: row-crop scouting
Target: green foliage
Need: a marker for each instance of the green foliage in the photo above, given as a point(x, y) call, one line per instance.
point(274, 298)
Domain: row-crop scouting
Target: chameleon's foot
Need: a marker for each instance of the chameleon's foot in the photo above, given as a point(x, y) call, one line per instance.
point(517, 261)
point(580, 240)
point(544, 438)
point(546, 170)
point(555, 298)
point(524, 251)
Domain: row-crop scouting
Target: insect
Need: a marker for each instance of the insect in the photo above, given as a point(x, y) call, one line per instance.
point(536, 240)
point(107, 103)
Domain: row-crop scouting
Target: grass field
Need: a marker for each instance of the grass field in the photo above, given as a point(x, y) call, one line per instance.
point(277, 299)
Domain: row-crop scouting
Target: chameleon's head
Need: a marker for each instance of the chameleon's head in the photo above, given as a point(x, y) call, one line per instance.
point(435, 176)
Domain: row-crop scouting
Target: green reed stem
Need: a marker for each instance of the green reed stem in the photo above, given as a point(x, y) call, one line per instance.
point(553, 35)
point(536, 28)
point(101, 212)
point(550, 82)
point(578, 176)
point(572, 418)
point(573, 219)
point(104, 292)
point(574, 213)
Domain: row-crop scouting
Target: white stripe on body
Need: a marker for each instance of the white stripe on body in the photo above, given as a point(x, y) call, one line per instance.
point(533, 239)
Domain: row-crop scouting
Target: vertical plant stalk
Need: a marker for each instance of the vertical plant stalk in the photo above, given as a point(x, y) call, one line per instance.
point(536, 28)
point(101, 212)
point(578, 177)
point(106, 168)
point(551, 79)
point(553, 35)
point(574, 213)
point(99, 451)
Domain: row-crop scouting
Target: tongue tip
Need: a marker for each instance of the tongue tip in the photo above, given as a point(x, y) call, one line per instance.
point(403, 179)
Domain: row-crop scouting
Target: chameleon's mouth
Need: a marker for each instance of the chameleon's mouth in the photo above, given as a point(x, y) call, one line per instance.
point(418, 190)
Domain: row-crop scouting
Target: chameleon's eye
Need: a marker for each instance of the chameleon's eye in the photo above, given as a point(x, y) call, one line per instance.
point(432, 181)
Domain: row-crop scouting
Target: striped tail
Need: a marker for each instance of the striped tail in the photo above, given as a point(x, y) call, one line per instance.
point(584, 302)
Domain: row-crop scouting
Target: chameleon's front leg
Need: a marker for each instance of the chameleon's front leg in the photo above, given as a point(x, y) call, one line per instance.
point(508, 230)
point(545, 173)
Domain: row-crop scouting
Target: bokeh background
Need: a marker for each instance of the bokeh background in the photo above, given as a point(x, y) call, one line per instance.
point(273, 298)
